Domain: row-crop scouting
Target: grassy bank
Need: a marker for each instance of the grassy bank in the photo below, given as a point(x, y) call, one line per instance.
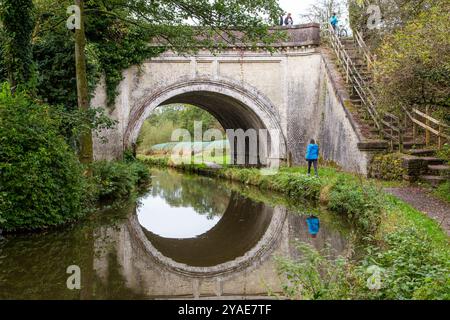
point(409, 247)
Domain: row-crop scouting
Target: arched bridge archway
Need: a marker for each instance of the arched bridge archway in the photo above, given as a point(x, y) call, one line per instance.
point(235, 105)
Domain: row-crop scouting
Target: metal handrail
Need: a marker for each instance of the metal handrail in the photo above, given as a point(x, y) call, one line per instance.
point(370, 59)
point(391, 128)
point(352, 75)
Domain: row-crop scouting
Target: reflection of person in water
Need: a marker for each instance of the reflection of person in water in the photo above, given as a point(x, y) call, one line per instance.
point(313, 223)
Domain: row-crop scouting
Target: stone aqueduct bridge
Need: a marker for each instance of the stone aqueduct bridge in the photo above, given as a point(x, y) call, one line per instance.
point(293, 92)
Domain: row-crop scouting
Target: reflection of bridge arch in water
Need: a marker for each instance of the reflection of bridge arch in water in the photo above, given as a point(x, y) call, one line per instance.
point(196, 257)
point(148, 272)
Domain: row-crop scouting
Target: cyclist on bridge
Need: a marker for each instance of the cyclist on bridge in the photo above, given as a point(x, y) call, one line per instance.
point(334, 21)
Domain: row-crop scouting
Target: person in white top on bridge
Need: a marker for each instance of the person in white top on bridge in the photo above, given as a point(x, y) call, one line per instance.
point(289, 21)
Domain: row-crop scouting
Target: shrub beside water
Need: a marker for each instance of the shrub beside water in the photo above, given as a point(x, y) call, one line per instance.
point(41, 179)
point(118, 180)
point(42, 183)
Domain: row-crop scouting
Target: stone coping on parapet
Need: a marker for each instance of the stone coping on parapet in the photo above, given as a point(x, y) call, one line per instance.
point(298, 36)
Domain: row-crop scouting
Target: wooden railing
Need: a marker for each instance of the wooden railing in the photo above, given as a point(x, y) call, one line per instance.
point(393, 130)
point(441, 132)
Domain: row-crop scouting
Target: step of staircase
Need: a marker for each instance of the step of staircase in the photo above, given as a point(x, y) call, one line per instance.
point(413, 145)
point(422, 152)
point(434, 181)
point(433, 160)
point(441, 170)
point(373, 145)
point(356, 102)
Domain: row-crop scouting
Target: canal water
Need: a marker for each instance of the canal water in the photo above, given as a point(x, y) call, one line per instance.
point(187, 237)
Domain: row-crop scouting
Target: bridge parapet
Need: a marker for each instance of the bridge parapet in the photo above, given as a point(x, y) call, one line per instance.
point(303, 35)
point(300, 35)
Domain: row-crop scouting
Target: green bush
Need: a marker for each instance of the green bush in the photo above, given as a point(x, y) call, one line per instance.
point(362, 205)
point(387, 167)
point(116, 181)
point(298, 186)
point(42, 184)
point(162, 162)
point(413, 267)
point(444, 153)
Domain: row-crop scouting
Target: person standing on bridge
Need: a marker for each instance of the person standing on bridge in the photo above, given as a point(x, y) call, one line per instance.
point(282, 19)
point(289, 21)
point(312, 155)
point(334, 21)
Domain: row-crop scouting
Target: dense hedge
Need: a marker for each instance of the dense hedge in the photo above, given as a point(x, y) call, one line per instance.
point(41, 179)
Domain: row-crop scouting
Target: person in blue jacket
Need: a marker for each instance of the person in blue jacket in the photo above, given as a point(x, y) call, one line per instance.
point(334, 21)
point(312, 154)
point(313, 223)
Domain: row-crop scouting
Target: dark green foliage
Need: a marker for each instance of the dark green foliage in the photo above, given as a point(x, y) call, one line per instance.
point(119, 180)
point(18, 23)
point(55, 59)
point(119, 50)
point(54, 55)
point(3, 71)
point(42, 183)
point(362, 205)
point(74, 123)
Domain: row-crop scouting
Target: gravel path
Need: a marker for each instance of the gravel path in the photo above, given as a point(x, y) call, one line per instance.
point(421, 200)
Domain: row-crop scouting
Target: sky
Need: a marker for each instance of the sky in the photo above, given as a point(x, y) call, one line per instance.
point(296, 7)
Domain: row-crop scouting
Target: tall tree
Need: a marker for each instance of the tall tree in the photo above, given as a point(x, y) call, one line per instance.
point(86, 148)
point(17, 20)
point(413, 64)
